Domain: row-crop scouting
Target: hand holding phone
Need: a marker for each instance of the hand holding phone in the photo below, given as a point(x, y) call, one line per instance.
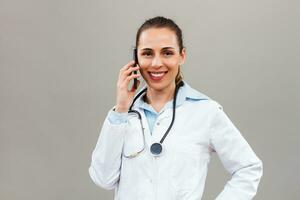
point(127, 73)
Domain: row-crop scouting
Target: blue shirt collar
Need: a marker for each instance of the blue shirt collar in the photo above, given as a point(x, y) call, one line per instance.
point(186, 92)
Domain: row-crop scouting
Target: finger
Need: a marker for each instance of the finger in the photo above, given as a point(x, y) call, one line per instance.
point(131, 77)
point(125, 67)
point(128, 72)
point(124, 83)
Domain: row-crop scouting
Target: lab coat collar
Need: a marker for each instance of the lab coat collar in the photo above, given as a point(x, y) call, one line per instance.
point(185, 92)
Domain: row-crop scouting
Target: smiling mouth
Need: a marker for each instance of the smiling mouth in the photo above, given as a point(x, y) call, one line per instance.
point(157, 75)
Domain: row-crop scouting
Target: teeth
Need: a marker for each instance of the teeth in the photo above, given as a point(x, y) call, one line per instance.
point(157, 74)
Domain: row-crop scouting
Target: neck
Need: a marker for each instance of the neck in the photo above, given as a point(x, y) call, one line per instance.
point(160, 97)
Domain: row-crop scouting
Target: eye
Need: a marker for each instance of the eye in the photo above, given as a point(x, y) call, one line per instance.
point(168, 53)
point(146, 54)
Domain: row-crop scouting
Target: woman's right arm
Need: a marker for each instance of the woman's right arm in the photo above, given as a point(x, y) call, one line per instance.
point(107, 155)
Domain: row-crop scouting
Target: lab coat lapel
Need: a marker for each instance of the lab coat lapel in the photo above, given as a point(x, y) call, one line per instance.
point(146, 128)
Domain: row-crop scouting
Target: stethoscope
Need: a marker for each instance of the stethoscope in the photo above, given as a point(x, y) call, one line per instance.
point(156, 148)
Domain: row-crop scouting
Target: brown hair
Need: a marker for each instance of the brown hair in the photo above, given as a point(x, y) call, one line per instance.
point(162, 22)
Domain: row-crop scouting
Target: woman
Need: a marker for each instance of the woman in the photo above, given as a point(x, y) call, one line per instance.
point(158, 144)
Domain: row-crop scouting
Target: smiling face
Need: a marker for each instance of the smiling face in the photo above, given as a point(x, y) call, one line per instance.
point(159, 58)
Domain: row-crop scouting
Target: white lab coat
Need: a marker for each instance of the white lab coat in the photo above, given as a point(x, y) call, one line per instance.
point(200, 128)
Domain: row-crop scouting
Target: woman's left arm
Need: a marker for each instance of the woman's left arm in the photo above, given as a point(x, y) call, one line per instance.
point(236, 156)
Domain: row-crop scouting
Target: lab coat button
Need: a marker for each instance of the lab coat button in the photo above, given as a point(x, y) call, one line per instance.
point(157, 123)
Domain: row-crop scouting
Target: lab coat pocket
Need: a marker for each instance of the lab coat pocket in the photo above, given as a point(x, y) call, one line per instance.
point(186, 170)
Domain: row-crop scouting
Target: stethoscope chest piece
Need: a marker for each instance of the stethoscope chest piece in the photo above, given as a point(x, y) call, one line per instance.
point(156, 149)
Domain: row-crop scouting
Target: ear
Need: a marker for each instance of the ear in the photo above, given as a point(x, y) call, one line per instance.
point(182, 56)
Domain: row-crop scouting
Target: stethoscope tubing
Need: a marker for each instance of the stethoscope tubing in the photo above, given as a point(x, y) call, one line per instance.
point(156, 148)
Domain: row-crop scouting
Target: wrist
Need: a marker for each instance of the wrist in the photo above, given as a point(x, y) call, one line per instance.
point(120, 109)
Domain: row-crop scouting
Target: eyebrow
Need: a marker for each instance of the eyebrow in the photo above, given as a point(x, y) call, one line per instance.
point(162, 48)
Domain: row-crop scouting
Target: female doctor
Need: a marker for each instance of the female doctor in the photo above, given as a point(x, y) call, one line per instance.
point(156, 145)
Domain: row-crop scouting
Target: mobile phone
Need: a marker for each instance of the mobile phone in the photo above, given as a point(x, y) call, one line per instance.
point(135, 81)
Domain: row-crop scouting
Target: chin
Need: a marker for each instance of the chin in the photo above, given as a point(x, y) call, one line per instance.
point(159, 86)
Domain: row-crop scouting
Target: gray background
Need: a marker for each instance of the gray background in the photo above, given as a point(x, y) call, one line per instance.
point(59, 63)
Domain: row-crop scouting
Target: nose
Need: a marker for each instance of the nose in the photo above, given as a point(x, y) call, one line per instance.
point(156, 62)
